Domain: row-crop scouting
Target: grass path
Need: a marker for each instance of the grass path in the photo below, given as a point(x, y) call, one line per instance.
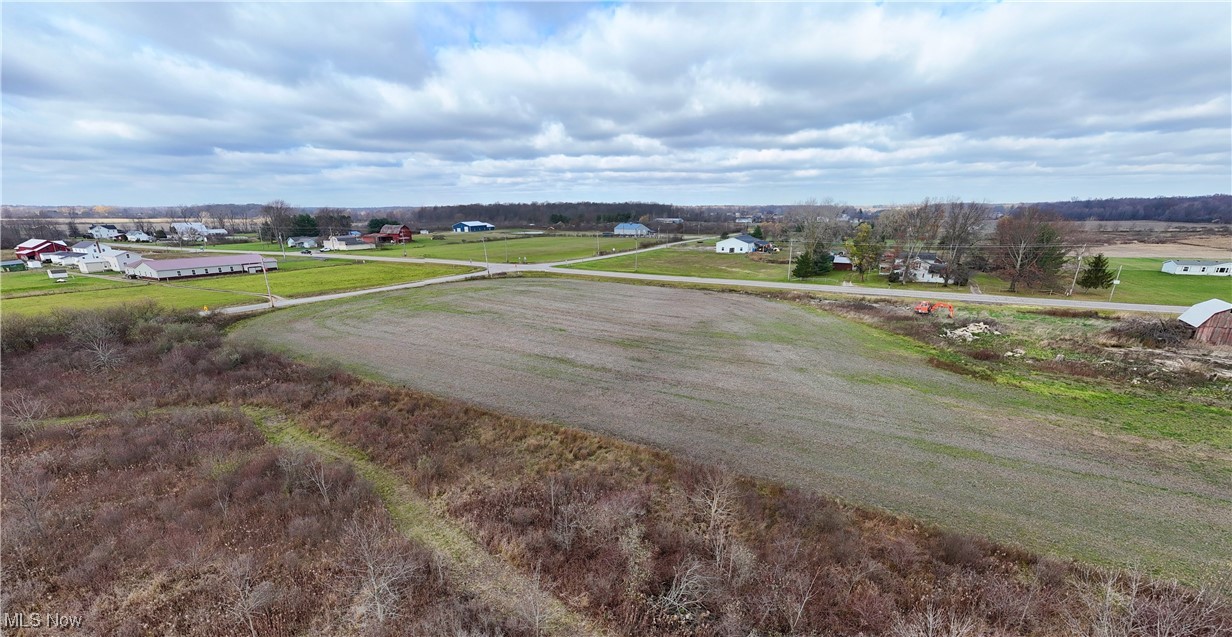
point(481, 573)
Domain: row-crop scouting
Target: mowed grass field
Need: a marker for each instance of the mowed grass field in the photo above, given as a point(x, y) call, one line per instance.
point(801, 396)
point(1141, 279)
point(502, 247)
point(25, 292)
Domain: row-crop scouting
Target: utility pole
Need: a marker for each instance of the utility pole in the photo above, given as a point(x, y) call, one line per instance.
point(791, 248)
point(1115, 282)
point(268, 292)
point(506, 248)
point(597, 243)
point(1077, 267)
point(636, 244)
point(486, 265)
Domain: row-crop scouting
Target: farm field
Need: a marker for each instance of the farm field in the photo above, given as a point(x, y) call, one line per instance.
point(801, 396)
point(295, 277)
point(1141, 280)
point(36, 282)
point(309, 277)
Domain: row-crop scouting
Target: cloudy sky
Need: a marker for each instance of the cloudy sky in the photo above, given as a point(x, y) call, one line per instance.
point(406, 104)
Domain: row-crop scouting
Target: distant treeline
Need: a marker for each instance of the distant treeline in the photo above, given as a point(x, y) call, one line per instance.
point(545, 213)
point(1204, 209)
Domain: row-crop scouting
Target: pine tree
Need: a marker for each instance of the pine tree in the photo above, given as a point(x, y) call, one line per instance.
point(804, 266)
point(823, 263)
point(1097, 274)
point(757, 233)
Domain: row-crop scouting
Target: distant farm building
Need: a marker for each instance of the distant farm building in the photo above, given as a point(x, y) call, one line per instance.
point(16, 265)
point(668, 220)
point(629, 229)
point(59, 274)
point(1198, 267)
point(741, 244)
point(842, 263)
point(302, 242)
point(1211, 320)
point(195, 229)
point(391, 233)
point(160, 270)
point(37, 249)
point(347, 242)
point(472, 226)
point(106, 231)
point(138, 236)
point(90, 265)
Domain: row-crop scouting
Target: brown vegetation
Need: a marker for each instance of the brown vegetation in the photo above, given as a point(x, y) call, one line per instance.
point(173, 510)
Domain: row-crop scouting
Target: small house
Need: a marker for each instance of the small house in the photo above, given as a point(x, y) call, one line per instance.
point(742, 244)
point(138, 236)
point(472, 226)
point(842, 263)
point(118, 260)
point(924, 268)
point(105, 231)
point(347, 242)
point(302, 242)
point(1198, 267)
point(38, 249)
point(1211, 320)
point(630, 229)
point(16, 265)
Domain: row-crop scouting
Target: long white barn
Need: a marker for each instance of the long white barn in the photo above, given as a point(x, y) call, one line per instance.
point(1198, 267)
point(161, 269)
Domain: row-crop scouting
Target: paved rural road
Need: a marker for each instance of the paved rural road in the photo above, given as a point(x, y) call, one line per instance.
point(560, 267)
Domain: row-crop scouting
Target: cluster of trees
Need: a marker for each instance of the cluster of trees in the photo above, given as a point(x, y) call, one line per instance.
point(280, 221)
point(581, 214)
point(1209, 208)
point(1028, 246)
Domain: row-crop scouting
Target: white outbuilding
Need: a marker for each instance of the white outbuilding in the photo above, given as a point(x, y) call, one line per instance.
point(1198, 267)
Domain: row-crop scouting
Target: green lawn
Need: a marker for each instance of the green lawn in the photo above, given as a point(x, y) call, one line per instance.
point(185, 298)
point(328, 276)
point(534, 249)
point(295, 278)
point(35, 282)
point(1141, 280)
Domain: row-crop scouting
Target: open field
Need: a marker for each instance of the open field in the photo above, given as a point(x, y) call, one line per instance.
point(36, 282)
point(326, 276)
point(502, 247)
point(295, 277)
point(801, 396)
point(1141, 282)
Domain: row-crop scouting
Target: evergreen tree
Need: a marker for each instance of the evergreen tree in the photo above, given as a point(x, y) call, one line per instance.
point(823, 263)
point(1097, 274)
point(757, 233)
point(804, 266)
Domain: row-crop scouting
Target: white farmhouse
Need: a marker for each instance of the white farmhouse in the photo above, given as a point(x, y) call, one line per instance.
point(1198, 267)
point(139, 236)
point(347, 242)
point(105, 231)
point(195, 229)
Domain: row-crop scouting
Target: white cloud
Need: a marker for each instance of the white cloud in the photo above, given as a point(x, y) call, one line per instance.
point(382, 104)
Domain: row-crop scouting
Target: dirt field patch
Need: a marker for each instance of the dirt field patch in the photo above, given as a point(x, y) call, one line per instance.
point(788, 393)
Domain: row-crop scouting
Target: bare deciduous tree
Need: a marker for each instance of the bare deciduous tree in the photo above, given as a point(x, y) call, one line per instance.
point(379, 566)
point(98, 337)
point(913, 228)
point(689, 588)
point(22, 412)
point(248, 597)
point(30, 488)
point(961, 229)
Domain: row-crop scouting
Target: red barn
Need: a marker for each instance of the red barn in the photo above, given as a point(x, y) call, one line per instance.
point(391, 233)
point(1211, 320)
point(34, 249)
